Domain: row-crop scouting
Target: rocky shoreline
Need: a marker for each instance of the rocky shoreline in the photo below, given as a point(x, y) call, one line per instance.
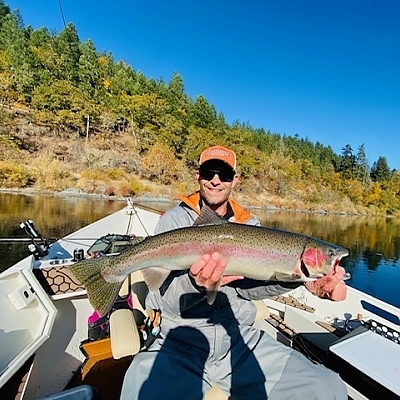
point(80, 193)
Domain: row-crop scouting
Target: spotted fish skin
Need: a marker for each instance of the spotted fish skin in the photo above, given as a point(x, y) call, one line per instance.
point(254, 252)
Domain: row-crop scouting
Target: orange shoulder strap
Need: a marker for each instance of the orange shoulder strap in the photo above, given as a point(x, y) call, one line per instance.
point(241, 215)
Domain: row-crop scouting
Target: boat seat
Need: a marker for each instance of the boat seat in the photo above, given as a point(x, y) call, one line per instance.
point(124, 334)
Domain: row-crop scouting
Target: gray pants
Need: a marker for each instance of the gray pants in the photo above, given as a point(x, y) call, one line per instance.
point(244, 362)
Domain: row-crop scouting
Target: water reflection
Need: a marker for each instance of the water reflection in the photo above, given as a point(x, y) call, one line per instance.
point(373, 243)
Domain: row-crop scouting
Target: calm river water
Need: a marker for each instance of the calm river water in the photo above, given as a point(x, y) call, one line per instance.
point(374, 243)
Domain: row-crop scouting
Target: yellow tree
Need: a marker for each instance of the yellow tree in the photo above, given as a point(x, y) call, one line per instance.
point(161, 164)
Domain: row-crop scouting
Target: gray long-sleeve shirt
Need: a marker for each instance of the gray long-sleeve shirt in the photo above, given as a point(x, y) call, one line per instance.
point(182, 302)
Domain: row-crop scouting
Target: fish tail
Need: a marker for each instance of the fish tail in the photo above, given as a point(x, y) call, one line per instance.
point(101, 294)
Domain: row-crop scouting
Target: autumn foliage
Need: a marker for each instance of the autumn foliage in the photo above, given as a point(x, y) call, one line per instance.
point(73, 117)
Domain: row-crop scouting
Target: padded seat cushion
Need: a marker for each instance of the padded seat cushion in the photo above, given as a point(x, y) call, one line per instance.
point(124, 334)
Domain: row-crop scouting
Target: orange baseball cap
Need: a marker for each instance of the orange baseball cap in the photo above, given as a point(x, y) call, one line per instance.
point(219, 153)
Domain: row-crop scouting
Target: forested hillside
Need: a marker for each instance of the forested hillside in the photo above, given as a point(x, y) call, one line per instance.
point(72, 117)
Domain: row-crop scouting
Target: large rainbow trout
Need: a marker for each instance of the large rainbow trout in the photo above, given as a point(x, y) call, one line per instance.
point(251, 251)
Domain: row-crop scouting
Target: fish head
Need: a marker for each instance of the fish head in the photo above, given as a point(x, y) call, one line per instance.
point(320, 258)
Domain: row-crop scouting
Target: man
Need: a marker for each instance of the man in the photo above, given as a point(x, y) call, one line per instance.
point(201, 343)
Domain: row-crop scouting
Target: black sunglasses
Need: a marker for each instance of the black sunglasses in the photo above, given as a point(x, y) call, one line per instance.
point(225, 175)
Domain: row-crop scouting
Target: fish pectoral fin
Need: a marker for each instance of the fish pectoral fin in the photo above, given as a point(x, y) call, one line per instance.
point(211, 295)
point(281, 276)
point(155, 277)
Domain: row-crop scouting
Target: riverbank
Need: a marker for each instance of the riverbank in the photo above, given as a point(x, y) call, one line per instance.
point(152, 198)
point(82, 194)
point(114, 166)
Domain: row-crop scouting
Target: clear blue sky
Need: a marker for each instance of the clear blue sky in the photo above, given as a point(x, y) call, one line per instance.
point(327, 70)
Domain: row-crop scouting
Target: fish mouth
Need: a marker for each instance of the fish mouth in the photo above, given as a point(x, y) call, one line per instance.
point(335, 266)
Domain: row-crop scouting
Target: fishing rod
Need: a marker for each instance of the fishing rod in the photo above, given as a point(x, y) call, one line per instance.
point(62, 13)
point(148, 208)
point(10, 240)
point(38, 246)
point(52, 240)
point(23, 240)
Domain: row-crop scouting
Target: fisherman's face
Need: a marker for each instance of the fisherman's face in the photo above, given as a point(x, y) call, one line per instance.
point(216, 180)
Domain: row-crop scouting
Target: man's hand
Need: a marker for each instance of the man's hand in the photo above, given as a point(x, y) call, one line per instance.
point(329, 286)
point(208, 271)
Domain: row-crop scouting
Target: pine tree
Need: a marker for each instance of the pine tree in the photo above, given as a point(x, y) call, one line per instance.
point(380, 171)
point(362, 167)
point(68, 48)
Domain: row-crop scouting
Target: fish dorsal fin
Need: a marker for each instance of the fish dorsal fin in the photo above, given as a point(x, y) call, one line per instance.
point(155, 277)
point(209, 217)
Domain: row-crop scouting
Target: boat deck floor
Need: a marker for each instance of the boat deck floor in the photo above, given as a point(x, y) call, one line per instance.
point(101, 370)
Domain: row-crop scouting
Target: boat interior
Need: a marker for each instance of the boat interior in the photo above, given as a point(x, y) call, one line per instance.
point(106, 360)
point(47, 355)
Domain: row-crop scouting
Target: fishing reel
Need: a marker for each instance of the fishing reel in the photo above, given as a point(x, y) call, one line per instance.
point(37, 249)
